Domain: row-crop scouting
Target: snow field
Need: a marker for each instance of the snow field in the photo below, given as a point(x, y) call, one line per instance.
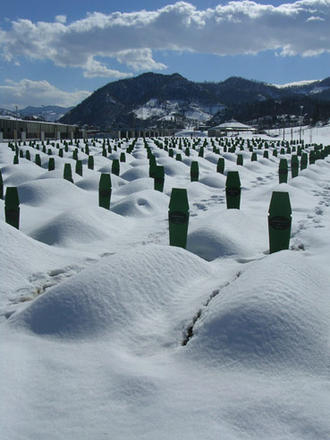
point(109, 332)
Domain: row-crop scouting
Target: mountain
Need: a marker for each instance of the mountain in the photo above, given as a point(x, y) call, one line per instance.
point(46, 112)
point(6, 112)
point(49, 113)
point(157, 100)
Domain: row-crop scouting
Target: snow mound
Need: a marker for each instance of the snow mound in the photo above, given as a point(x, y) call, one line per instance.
point(49, 191)
point(79, 226)
point(139, 154)
point(21, 256)
point(21, 174)
point(174, 167)
point(227, 233)
point(135, 173)
point(135, 186)
point(276, 313)
point(142, 204)
point(124, 294)
point(214, 180)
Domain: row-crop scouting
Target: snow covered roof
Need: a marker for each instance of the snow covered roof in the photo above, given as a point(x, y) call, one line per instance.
point(188, 133)
point(233, 125)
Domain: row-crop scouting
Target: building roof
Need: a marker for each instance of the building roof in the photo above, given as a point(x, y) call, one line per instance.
point(33, 121)
point(233, 125)
point(187, 133)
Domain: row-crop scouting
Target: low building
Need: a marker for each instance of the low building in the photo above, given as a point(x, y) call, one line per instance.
point(190, 133)
point(21, 129)
point(230, 128)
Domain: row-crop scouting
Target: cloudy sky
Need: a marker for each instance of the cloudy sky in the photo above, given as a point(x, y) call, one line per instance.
point(59, 52)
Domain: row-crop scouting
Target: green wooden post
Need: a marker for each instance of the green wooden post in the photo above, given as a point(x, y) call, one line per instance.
point(283, 171)
point(1, 186)
point(67, 173)
point(303, 161)
point(51, 164)
point(194, 171)
point(38, 160)
point(159, 178)
point(239, 160)
point(279, 221)
point(178, 217)
point(294, 166)
point(115, 168)
point(233, 190)
point(221, 165)
point(105, 190)
point(79, 168)
point(90, 162)
point(12, 207)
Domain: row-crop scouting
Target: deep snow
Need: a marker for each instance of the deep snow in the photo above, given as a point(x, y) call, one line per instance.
point(108, 332)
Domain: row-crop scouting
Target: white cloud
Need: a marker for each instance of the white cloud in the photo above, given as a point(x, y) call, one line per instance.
point(139, 59)
point(94, 68)
point(60, 18)
point(239, 27)
point(312, 18)
point(36, 93)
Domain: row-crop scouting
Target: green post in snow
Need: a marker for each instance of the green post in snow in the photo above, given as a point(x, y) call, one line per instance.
point(221, 165)
point(178, 217)
point(194, 171)
point(51, 164)
point(67, 173)
point(254, 157)
point(38, 160)
point(12, 207)
point(201, 152)
point(266, 155)
point(303, 161)
point(179, 157)
point(105, 189)
point(279, 221)
point(294, 166)
point(16, 160)
point(27, 155)
point(122, 157)
point(283, 171)
point(239, 160)
point(159, 178)
point(312, 157)
point(152, 165)
point(115, 168)
point(90, 162)
point(1, 186)
point(60, 152)
point(79, 168)
point(233, 190)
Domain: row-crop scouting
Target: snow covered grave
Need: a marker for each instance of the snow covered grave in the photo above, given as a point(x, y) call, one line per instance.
point(108, 330)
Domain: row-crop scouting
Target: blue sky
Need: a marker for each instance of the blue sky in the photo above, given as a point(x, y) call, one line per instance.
point(59, 52)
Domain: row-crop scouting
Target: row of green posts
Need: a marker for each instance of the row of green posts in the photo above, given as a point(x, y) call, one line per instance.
point(279, 219)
